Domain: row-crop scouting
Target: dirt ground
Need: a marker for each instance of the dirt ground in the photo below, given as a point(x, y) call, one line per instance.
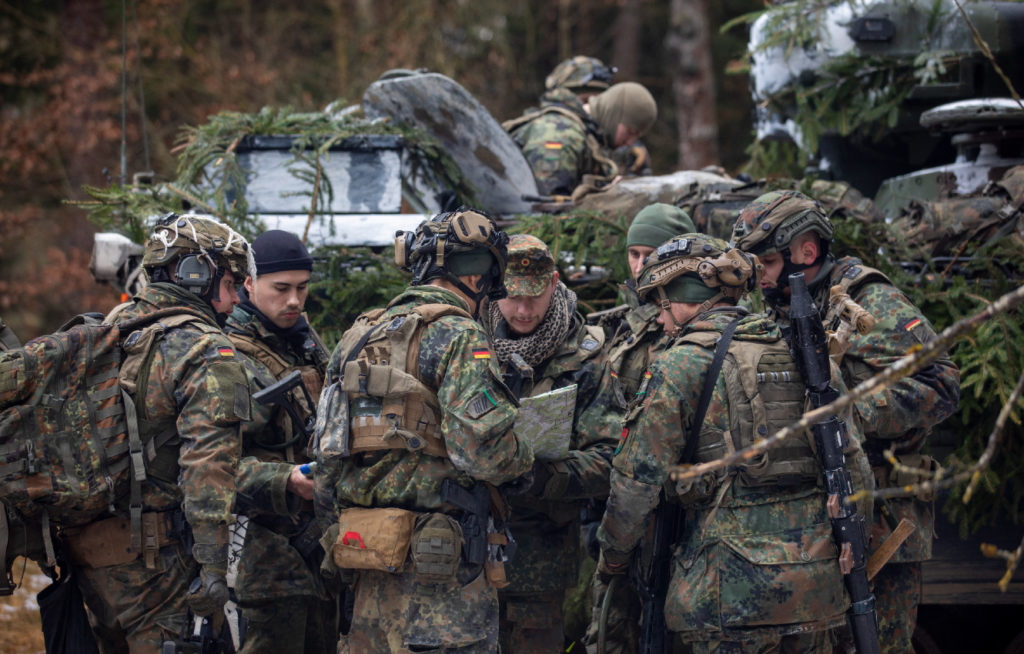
point(19, 613)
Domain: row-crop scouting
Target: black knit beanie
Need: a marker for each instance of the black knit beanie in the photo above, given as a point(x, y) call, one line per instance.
point(278, 250)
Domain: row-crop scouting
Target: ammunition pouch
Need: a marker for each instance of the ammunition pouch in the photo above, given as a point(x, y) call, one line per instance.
point(108, 542)
point(436, 548)
point(373, 539)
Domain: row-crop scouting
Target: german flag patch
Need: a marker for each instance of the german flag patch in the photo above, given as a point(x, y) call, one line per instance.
point(913, 323)
point(481, 354)
point(552, 145)
point(225, 351)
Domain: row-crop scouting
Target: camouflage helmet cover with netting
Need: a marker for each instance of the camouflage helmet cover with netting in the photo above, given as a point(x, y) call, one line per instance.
point(581, 73)
point(699, 259)
point(771, 222)
point(177, 236)
point(453, 244)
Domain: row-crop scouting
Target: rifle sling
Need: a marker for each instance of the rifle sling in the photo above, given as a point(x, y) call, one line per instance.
point(709, 387)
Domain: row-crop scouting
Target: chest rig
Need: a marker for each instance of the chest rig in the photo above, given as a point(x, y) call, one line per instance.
point(279, 367)
point(764, 393)
point(389, 406)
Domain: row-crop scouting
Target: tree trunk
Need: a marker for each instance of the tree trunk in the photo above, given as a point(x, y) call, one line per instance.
point(626, 40)
point(693, 87)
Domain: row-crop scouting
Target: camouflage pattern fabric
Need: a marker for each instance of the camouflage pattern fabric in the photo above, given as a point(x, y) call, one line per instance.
point(546, 524)
point(196, 387)
point(629, 354)
point(897, 589)
point(132, 609)
point(905, 413)
point(900, 418)
point(394, 613)
point(752, 562)
point(271, 568)
point(555, 144)
point(290, 624)
point(455, 361)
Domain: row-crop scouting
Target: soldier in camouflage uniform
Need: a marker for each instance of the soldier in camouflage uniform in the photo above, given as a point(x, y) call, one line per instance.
point(456, 428)
point(567, 139)
point(755, 567)
point(630, 350)
point(538, 323)
point(790, 233)
point(279, 588)
point(191, 399)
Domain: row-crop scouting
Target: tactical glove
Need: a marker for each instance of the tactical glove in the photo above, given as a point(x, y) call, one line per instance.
point(208, 593)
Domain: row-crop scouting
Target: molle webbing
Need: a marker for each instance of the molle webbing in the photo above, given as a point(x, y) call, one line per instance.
point(386, 369)
point(278, 367)
point(764, 393)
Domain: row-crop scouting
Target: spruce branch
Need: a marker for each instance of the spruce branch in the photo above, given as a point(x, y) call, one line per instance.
point(908, 365)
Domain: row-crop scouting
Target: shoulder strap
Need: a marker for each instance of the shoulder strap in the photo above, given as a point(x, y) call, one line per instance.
point(258, 350)
point(709, 386)
point(511, 124)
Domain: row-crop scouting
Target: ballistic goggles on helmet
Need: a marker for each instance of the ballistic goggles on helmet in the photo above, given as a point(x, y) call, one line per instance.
point(698, 268)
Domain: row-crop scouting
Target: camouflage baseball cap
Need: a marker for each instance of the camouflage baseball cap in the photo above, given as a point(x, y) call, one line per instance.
point(530, 266)
point(771, 222)
point(581, 74)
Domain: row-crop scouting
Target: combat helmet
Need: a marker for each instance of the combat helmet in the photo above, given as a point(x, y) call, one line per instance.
point(581, 74)
point(697, 268)
point(201, 249)
point(771, 222)
point(453, 244)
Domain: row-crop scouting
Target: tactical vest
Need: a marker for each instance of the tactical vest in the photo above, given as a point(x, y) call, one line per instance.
point(279, 367)
point(609, 167)
point(764, 392)
point(390, 408)
point(628, 357)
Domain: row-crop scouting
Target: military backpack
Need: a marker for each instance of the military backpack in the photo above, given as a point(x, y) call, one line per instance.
point(70, 445)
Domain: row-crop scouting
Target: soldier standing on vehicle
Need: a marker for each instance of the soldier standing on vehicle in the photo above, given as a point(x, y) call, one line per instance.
point(542, 344)
point(754, 568)
point(567, 139)
point(280, 592)
point(636, 336)
point(790, 233)
point(192, 397)
point(419, 431)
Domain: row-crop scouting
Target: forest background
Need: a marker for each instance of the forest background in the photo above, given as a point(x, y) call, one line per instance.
point(61, 93)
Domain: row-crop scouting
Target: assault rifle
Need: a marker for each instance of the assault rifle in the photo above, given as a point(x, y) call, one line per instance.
point(808, 344)
point(651, 571)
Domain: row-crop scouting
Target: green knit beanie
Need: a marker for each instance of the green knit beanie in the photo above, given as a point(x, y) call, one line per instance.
point(657, 223)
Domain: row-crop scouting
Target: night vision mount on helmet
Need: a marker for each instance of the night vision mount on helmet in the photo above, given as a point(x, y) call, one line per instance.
point(705, 260)
point(455, 244)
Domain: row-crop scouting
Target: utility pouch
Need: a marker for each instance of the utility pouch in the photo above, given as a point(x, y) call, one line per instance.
point(495, 573)
point(373, 539)
point(331, 432)
point(436, 548)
